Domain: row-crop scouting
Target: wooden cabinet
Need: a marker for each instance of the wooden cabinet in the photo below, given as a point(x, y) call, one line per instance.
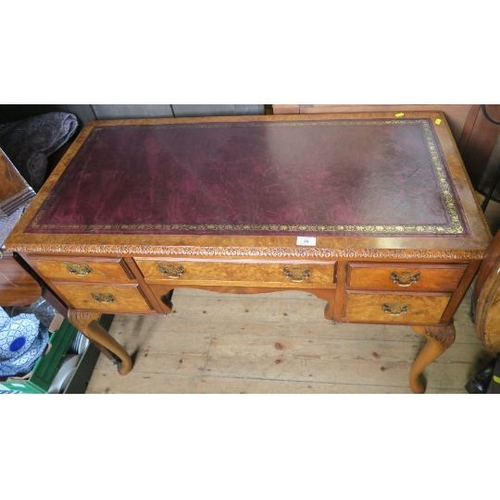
point(459, 116)
point(17, 285)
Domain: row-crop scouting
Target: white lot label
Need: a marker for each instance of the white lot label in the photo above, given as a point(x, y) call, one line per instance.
point(306, 241)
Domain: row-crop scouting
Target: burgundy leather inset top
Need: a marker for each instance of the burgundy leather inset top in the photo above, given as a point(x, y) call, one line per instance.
point(299, 177)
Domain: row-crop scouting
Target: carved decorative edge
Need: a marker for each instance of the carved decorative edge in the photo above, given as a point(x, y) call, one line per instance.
point(445, 335)
point(250, 252)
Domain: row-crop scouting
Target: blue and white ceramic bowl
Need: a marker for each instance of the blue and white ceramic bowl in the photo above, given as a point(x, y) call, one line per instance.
point(22, 341)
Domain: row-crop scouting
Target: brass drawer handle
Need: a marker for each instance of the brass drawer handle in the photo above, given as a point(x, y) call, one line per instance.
point(79, 269)
point(405, 278)
point(106, 298)
point(296, 274)
point(395, 309)
point(173, 272)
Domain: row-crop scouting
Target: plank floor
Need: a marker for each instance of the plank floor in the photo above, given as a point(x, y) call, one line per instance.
point(275, 343)
point(278, 342)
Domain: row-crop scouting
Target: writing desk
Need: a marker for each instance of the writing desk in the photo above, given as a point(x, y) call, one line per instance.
point(373, 212)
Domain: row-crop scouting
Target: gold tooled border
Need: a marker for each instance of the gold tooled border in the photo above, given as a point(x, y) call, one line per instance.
point(455, 224)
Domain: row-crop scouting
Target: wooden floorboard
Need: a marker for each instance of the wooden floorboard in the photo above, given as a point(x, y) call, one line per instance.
point(275, 343)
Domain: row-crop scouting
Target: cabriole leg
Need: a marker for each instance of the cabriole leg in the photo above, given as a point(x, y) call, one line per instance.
point(88, 324)
point(439, 338)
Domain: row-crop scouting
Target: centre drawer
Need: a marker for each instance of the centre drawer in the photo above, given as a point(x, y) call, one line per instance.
point(395, 307)
point(400, 277)
point(280, 274)
point(81, 269)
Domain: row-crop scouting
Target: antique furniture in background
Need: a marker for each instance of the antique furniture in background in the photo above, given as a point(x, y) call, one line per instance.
point(486, 315)
point(29, 147)
point(372, 212)
point(17, 286)
point(487, 299)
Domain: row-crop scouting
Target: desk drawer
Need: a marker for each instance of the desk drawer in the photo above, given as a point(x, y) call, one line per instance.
point(105, 299)
point(81, 269)
point(395, 308)
point(414, 277)
point(279, 274)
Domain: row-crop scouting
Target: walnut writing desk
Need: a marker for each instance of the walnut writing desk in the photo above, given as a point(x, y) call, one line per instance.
point(372, 212)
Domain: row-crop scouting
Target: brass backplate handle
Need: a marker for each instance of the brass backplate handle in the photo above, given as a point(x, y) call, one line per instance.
point(106, 298)
point(405, 278)
point(395, 309)
point(296, 274)
point(78, 269)
point(173, 272)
